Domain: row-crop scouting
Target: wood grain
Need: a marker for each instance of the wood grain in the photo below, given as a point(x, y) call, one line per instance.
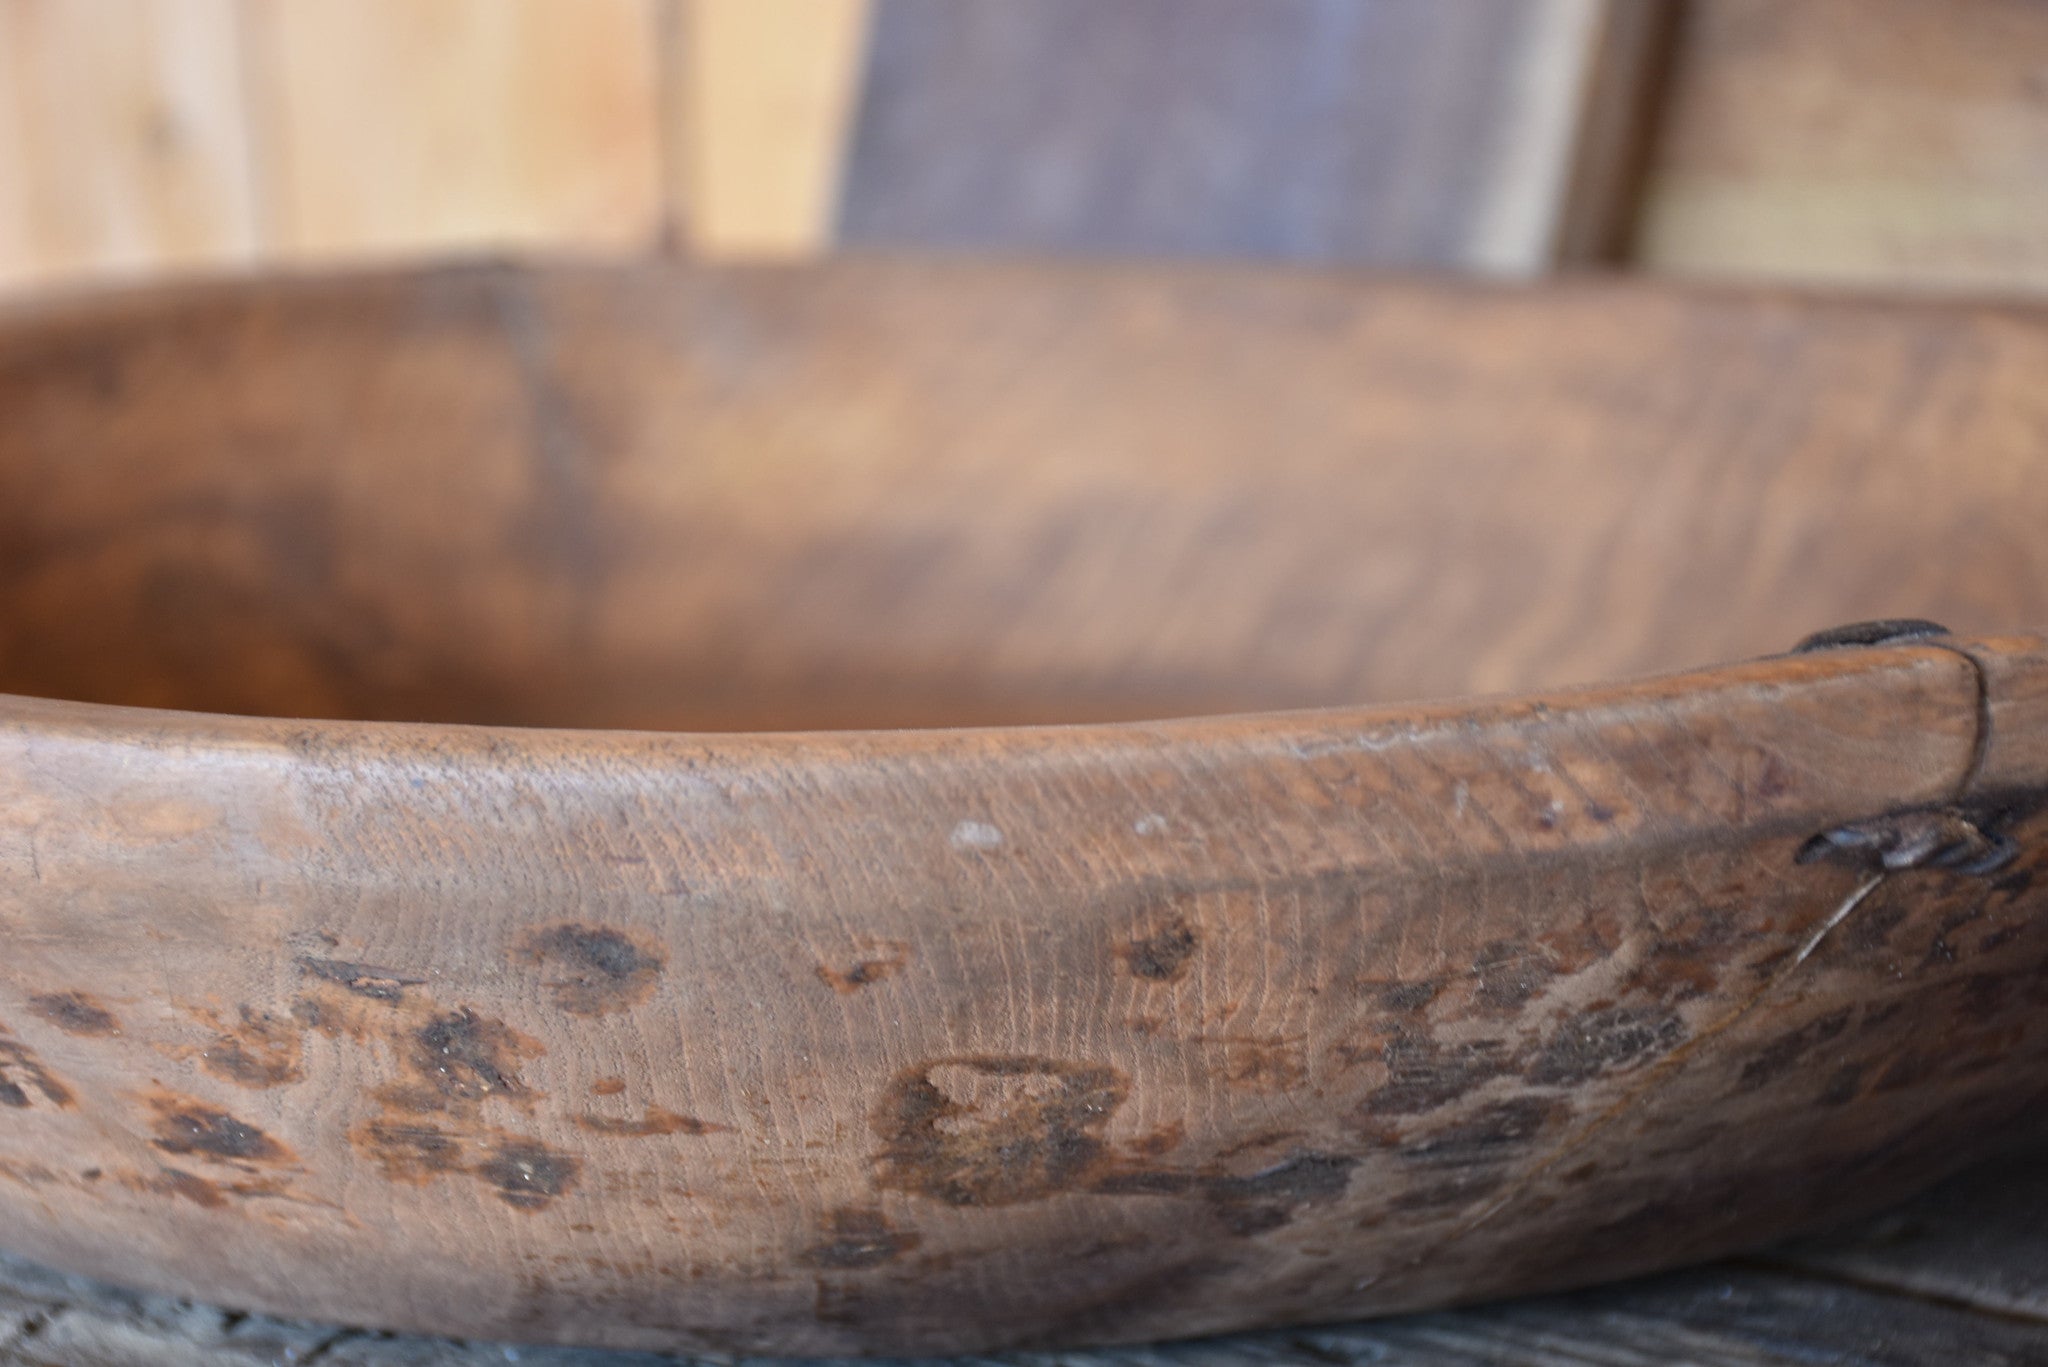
point(394, 126)
point(1381, 131)
point(1874, 141)
point(124, 141)
point(803, 1042)
point(891, 493)
point(1487, 1077)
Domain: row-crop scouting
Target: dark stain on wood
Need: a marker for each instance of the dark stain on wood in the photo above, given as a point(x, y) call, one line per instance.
point(1257, 1064)
point(1461, 1188)
point(30, 1175)
point(528, 1174)
point(653, 1121)
point(1263, 1139)
point(994, 1131)
point(984, 1130)
point(364, 980)
point(1620, 1037)
point(597, 969)
point(1161, 1141)
point(1509, 973)
point(188, 1186)
point(1245, 1204)
point(467, 1057)
point(455, 1062)
point(878, 962)
point(1424, 1074)
point(262, 1050)
point(1270, 1198)
point(165, 1180)
point(22, 1071)
point(1406, 995)
point(525, 1173)
point(409, 1153)
point(854, 1238)
point(192, 1128)
point(1489, 1134)
point(1162, 955)
point(75, 1013)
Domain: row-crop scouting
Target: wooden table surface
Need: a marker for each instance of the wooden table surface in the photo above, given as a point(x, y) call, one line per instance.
point(1958, 1276)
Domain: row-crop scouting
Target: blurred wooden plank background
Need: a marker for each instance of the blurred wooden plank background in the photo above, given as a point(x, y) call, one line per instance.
point(124, 138)
point(395, 126)
point(1398, 132)
point(1880, 141)
point(1885, 142)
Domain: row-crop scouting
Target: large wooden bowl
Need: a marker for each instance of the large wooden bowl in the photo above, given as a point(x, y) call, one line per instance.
point(908, 1040)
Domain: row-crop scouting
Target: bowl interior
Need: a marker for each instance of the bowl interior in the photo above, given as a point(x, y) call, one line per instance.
point(885, 494)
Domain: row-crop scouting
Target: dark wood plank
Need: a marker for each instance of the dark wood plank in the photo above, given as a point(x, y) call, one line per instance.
point(1716, 1317)
point(1620, 102)
point(1382, 131)
point(1979, 1240)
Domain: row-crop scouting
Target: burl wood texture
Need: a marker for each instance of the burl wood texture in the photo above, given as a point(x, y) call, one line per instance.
point(941, 1040)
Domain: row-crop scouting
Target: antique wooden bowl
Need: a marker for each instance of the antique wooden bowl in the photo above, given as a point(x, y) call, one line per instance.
point(330, 987)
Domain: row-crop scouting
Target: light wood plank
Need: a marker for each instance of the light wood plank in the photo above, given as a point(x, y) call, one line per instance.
point(769, 86)
point(410, 126)
point(1888, 142)
point(123, 138)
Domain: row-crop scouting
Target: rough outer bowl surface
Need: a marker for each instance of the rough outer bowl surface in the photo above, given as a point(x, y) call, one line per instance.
point(345, 977)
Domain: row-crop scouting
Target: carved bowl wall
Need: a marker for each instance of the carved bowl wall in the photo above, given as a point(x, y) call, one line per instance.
point(479, 851)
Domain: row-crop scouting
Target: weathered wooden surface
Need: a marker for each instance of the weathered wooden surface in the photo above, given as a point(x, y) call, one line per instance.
point(805, 1042)
point(601, 1036)
point(1958, 1275)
